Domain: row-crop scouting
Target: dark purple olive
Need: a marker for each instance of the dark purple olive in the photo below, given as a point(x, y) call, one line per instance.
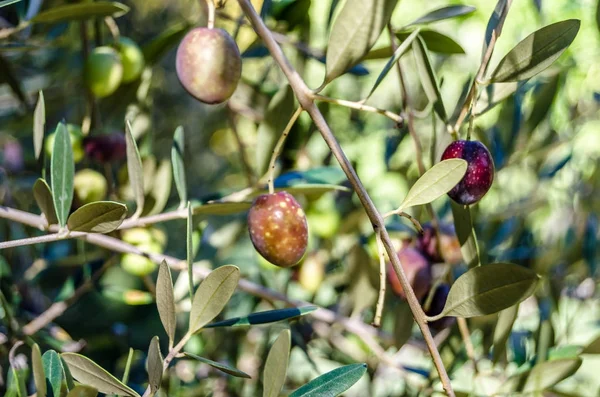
point(480, 171)
point(278, 228)
point(449, 249)
point(417, 270)
point(209, 65)
point(106, 148)
point(437, 305)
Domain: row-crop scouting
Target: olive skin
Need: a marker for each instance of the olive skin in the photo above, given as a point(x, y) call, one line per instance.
point(437, 305)
point(209, 65)
point(417, 270)
point(132, 59)
point(480, 171)
point(278, 228)
point(89, 186)
point(449, 245)
point(106, 148)
point(103, 71)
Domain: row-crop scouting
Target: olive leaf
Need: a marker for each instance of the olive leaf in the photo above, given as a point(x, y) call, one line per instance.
point(488, 289)
point(354, 31)
point(465, 232)
point(5, 3)
point(223, 208)
point(89, 373)
point(221, 367)
point(190, 249)
point(536, 52)
point(443, 13)
point(593, 347)
point(44, 200)
point(492, 95)
point(165, 300)
point(428, 78)
point(495, 24)
point(168, 38)
point(154, 365)
point(39, 377)
point(127, 370)
point(62, 170)
point(276, 365)
point(333, 383)
point(177, 152)
point(161, 187)
point(541, 377)
point(212, 295)
point(134, 169)
point(435, 41)
point(39, 123)
point(506, 319)
point(71, 12)
point(97, 217)
point(269, 316)
point(53, 371)
point(83, 391)
point(437, 181)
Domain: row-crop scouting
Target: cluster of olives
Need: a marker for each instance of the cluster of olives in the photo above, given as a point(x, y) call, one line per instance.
point(108, 66)
point(417, 260)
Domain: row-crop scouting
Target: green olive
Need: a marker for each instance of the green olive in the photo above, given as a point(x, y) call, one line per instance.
point(89, 186)
point(132, 59)
point(140, 265)
point(103, 71)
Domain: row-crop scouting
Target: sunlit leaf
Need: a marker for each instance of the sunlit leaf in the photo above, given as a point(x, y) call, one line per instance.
point(402, 48)
point(161, 188)
point(8, 2)
point(83, 391)
point(428, 78)
point(465, 233)
point(39, 122)
point(435, 41)
point(54, 371)
point(39, 376)
point(536, 52)
point(154, 365)
point(506, 319)
point(165, 300)
point(549, 373)
point(91, 374)
point(134, 169)
point(97, 217)
point(157, 47)
point(212, 295)
point(276, 365)
point(62, 170)
point(488, 289)
point(443, 13)
point(177, 153)
point(221, 367)
point(492, 95)
point(278, 113)
point(71, 12)
point(354, 31)
point(333, 383)
point(495, 24)
point(44, 200)
point(269, 316)
point(436, 182)
point(593, 347)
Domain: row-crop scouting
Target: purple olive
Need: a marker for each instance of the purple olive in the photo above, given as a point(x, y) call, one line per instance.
point(480, 171)
point(437, 305)
point(106, 148)
point(209, 65)
point(417, 270)
point(278, 228)
point(449, 249)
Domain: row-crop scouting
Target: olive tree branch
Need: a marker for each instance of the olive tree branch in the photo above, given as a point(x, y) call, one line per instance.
point(306, 98)
point(279, 146)
point(399, 120)
point(382, 281)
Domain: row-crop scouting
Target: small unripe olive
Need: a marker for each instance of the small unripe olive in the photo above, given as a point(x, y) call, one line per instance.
point(209, 65)
point(89, 186)
point(278, 228)
point(312, 271)
point(140, 265)
point(103, 71)
point(75, 135)
point(417, 270)
point(132, 59)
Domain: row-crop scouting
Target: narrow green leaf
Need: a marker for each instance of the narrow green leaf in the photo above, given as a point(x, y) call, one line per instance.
point(488, 289)
point(269, 316)
point(221, 367)
point(492, 95)
point(465, 234)
point(190, 249)
point(62, 170)
point(402, 48)
point(154, 365)
point(91, 374)
point(506, 319)
point(97, 217)
point(495, 24)
point(593, 347)
point(177, 152)
point(435, 41)
point(278, 114)
point(83, 391)
point(443, 13)
point(223, 208)
point(68, 376)
point(8, 2)
point(165, 300)
point(436, 182)
point(549, 373)
point(536, 52)
point(167, 39)
point(543, 100)
point(333, 383)
point(53, 370)
point(313, 189)
point(18, 380)
point(428, 79)
point(39, 377)
point(134, 169)
point(44, 200)
point(276, 365)
point(354, 31)
point(71, 12)
point(161, 188)
point(125, 378)
point(39, 123)
point(212, 295)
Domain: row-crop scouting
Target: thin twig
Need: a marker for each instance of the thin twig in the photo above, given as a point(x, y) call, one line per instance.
point(113, 28)
point(278, 147)
point(382, 281)
point(211, 13)
point(401, 213)
point(359, 106)
point(466, 336)
point(306, 99)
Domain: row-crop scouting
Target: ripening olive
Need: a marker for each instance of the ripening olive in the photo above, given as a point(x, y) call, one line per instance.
point(417, 270)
